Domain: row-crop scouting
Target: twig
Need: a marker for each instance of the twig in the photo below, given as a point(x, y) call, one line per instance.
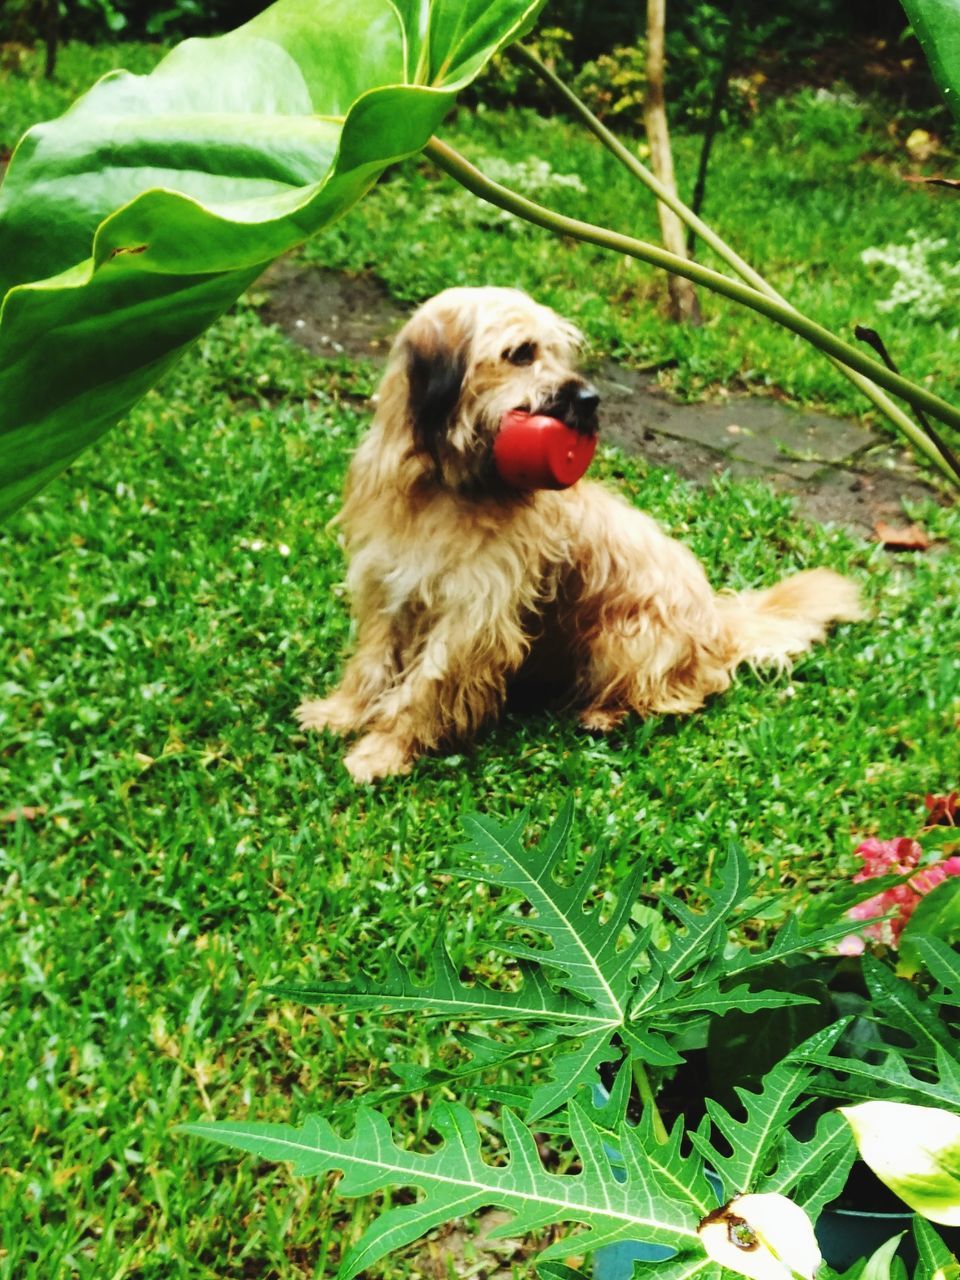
point(713, 119)
point(873, 339)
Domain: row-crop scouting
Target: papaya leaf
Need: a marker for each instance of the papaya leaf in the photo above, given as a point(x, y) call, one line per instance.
point(856, 1079)
point(924, 1065)
point(584, 947)
point(763, 1155)
point(902, 1008)
point(688, 1265)
point(740, 998)
point(790, 940)
point(573, 1064)
point(649, 1046)
point(597, 984)
point(936, 919)
point(448, 997)
point(814, 1172)
point(456, 1180)
point(482, 1054)
point(933, 1255)
point(631, 1186)
point(134, 220)
point(682, 1175)
point(558, 1271)
point(700, 936)
point(943, 964)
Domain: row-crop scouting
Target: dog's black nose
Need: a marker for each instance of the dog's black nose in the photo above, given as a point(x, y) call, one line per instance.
point(586, 400)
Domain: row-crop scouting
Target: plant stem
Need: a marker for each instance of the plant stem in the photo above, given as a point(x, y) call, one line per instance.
point(642, 1081)
point(613, 144)
point(730, 47)
point(459, 168)
point(873, 339)
point(719, 246)
point(684, 307)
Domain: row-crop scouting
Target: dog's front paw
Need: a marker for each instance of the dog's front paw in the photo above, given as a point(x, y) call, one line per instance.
point(601, 719)
point(378, 755)
point(326, 713)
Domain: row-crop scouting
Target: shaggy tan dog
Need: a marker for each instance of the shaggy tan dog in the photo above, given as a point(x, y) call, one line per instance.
point(458, 582)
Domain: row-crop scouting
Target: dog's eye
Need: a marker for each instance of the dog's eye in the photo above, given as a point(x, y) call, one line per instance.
point(526, 353)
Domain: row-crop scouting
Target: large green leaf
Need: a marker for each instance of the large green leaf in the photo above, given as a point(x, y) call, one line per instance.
point(937, 917)
point(631, 1185)
point(903, 1009)
point(593, 984)
point(933, 1256)
point(937, 24)
point(129, 224)
point(456, 1180)
point(943, 963)
point(583, 943)
point(924, 1062)
point(761, 1154)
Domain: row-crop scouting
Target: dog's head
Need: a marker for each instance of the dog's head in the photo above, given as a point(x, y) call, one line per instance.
point(466, 358)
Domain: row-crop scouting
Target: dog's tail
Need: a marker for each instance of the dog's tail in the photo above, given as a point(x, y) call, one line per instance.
point(769, 627)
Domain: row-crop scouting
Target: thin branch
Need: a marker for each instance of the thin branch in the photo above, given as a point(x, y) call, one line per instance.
point(713, 118)
point(873, 339)
point(684, 306)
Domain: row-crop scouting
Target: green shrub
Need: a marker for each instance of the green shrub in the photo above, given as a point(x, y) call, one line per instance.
point(505, 83)
point(614, 86)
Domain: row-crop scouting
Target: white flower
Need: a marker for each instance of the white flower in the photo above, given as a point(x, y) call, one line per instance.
point(922, 275)
point(763, 1236)
point(915, 1151)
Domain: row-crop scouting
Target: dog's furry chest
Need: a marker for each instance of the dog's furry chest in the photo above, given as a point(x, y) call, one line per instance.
point(458, 556)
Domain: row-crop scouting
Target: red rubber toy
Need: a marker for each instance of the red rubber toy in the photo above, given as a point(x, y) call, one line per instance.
point(532, 451)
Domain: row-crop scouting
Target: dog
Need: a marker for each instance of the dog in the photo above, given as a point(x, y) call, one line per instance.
point(459, 583)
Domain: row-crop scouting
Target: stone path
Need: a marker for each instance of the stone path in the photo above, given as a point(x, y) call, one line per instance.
point(837, 469)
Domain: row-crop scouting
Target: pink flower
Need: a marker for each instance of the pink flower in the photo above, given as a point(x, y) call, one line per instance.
point(894, 857)
point(851, 945)
point(930, 877)
point(883, 857)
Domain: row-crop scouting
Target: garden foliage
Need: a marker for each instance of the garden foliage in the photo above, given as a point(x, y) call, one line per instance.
point(597, 986)
point(592, 986)
point(129, 224)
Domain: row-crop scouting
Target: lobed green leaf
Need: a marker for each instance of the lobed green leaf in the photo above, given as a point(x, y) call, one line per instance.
point(456, 1179)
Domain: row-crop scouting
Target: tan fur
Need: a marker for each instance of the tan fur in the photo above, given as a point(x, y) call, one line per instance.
point(456, 580)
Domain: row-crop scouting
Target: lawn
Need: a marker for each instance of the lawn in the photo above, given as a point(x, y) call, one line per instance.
point(171, 598)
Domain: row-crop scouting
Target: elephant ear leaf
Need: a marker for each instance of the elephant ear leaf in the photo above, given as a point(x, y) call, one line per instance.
point(129, 224)
point(937, 26)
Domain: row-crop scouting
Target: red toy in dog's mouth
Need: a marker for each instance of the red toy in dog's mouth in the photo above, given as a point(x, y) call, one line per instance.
point(533, 451)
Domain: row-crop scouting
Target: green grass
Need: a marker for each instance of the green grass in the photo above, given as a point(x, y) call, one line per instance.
point(27, 97)
point(169, 601)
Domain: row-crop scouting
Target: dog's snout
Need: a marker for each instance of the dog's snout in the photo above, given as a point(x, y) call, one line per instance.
point(586, 399)
point(576, 404)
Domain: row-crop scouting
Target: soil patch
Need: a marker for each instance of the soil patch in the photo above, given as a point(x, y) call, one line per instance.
point(837, 469)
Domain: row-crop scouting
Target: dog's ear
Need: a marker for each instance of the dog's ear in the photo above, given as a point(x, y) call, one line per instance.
point(436, 367)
